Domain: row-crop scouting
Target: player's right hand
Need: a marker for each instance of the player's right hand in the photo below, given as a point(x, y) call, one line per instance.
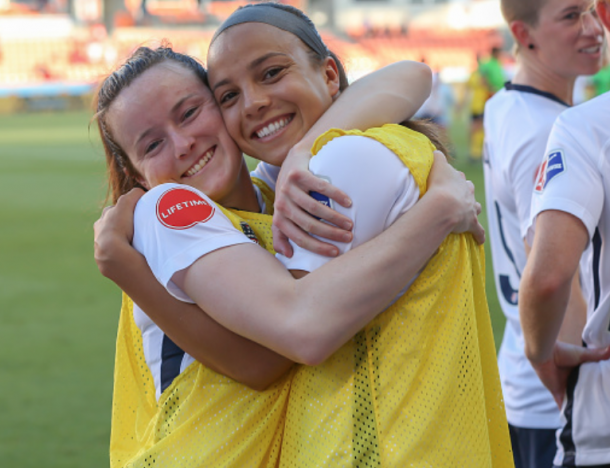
point(113, 232)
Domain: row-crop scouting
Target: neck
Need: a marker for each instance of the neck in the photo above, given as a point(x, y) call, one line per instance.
point(242, 196)
point(532, 73)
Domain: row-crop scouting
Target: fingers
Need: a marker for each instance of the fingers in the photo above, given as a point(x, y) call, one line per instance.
point(305, 182)
point(478, 233)
point(130, 199)
point(311, 183)
point(302, 239)
point(595, 355)
point(299, 207)
point(299, 216)
point(280, 242)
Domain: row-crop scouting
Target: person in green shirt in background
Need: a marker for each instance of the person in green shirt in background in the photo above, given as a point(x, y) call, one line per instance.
point(487, 79)
point(601, 81)
point(493, 72)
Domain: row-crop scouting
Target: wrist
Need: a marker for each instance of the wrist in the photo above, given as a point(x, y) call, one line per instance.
point(445, 209)
point(111, 255)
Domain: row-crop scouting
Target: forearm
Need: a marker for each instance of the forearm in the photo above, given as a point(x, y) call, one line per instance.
point(575, 317)
point(541, 309)
point(547, 279)
point(389, 95)
point(363, 281)
point(307, 320)
point(193, 330)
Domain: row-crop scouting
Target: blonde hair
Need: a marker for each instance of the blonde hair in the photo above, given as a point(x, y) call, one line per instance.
point(521, 10)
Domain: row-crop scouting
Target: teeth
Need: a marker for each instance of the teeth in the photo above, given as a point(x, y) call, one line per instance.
point(202, 162)
point(273, 127)
point(591, 50)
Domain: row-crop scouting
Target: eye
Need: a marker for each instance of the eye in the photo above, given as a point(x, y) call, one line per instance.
point(272, 72)
point(190, 112)
point(572, 16)
point(151, 147)
point(226, 97)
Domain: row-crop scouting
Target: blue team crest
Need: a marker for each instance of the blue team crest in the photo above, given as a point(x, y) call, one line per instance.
point(552, 166)
point(321, 199)
point(326, 201)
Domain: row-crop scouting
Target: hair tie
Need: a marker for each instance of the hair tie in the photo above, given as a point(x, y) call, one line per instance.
point(280, 18)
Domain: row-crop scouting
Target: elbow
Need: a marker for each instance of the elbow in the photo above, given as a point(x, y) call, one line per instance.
point(535, 352)
point(420, 73)
point(258, 381)
point(311, 350)
point(259, 375)
point(544, 285)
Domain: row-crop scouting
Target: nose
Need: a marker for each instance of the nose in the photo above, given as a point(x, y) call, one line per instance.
point(183, 142)
point(590, 23)
point(255, 99)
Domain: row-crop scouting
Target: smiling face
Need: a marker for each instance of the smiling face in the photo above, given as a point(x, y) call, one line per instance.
point(169, 125)
point(269, 90)
point(568, 38)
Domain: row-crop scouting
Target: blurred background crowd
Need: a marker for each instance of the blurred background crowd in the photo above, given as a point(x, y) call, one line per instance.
point(52, 52)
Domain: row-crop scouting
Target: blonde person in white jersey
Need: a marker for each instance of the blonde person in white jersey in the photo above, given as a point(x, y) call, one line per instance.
point(556, 41)
point(570, 228)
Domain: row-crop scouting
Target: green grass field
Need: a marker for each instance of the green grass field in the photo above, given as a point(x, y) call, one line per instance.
point(58, 313)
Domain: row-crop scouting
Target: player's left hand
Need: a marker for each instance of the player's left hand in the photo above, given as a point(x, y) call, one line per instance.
point(296, 211)
point(555, 371)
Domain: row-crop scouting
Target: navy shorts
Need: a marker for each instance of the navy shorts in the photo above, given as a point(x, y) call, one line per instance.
point(533, 448)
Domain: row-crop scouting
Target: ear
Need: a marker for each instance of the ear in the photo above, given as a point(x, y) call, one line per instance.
point(521, 33)
point(139, 179)
point(603, 11)
point(331, 75)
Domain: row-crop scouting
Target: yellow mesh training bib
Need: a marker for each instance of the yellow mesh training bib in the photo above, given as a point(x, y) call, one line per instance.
point(419, 386)
point(203, 419)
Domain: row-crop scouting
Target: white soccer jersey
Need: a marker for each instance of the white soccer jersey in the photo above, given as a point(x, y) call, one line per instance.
point(174, 225)
point(517, 122)
point(576, 180)
point(380, 185)
point(267, 173)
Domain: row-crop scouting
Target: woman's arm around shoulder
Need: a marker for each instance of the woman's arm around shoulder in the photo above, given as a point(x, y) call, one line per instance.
point(309, 319)
point(389, 95)
point(186, 324)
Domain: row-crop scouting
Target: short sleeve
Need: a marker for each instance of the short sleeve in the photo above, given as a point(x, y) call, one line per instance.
point(522, 174)
point(569, 179)
point(175, 225)
point(267, 173)
point(380, 185)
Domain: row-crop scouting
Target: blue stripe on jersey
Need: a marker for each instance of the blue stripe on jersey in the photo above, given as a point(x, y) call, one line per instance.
point(171, 360)
point(511, 295)
point(530, 89)
point(509, 253)
point(597, 251)
point(566, 437)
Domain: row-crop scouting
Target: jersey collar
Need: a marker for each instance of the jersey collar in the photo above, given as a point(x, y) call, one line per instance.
point(530, 89)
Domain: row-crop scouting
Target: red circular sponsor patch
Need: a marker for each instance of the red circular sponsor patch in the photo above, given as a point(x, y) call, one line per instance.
point(180, 208)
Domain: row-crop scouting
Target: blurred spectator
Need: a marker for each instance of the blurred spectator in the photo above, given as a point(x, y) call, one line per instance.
point(77, 53)
point(43, 72)
point(493, 71)
point(583, 90)
point(601, 81)
point(438, 106)
point(477, 94)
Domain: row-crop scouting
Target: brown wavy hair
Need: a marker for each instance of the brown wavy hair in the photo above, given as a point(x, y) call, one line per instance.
point(122, 176)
